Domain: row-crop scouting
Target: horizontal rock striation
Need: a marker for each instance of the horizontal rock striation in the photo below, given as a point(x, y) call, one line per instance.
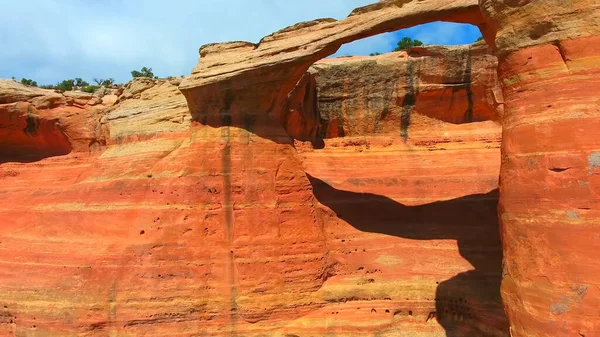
point(549, 202)
point(38, 123)
point(27, 136)
point(195, 207)
point(182, 228)
point(393, 92)
point(392, 199)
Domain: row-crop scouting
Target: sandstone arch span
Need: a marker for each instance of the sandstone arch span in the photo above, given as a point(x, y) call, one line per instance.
point(230, 74)
point(549, 188)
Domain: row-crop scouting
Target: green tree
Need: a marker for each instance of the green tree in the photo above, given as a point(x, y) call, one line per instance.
point(79, 82)
point(29, 82)
point(374, 54)
point(108, 82)
point(66, 85)
point(144, 72)
point(406, 43)
point(479, 39)
point(91, 89)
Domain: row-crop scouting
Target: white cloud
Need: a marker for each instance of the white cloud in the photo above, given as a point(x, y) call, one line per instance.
point(50, 40)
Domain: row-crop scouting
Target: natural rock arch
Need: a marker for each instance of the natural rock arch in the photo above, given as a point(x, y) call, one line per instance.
point(557, 59)
point(258, 77)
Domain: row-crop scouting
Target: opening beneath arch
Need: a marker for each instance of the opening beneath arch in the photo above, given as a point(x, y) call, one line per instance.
point(431, 73)
point(433, 33)
point(411, 141)
point(408, 162)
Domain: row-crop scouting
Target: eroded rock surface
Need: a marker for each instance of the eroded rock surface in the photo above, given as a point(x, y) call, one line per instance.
point(188, 228)
point(220, 223)
point(230, 74)
point(549, 182)
point(388, 216)
point(386, 94)
point(37, 123)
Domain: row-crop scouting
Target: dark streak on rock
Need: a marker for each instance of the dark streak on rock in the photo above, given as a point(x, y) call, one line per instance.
point(467, 78)
point(341, 132)
point(311, 99)
point(225, 111)
point(33, 122)
point(249, 121)
point(410, 99)
point(226, 120)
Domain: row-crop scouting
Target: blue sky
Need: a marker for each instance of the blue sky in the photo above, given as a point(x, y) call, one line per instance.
point(52, 40)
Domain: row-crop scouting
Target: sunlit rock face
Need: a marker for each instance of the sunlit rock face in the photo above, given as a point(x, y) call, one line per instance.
point(191, 227)
point(549, 65)
point(168, 227)
point(266, 195)
point(407, 172)
point(37, 123)
point(392, 93)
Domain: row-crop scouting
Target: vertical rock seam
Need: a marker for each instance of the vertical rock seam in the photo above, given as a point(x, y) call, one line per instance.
point(549, 190)
point(226, 120)
point(467, 81)
point(410, 99)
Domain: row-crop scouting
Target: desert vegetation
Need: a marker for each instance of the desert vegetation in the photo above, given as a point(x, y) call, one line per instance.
point(80, 84)
point(405, 43)
point(144, 72)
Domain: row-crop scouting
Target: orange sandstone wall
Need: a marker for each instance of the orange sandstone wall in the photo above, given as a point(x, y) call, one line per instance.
point(389, 93)
point(410, 209)
point(549, 181)
point(169, 230)
point(227, 227)
point(37, 123)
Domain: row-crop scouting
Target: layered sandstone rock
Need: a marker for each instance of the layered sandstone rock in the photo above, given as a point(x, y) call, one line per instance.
point(366, 96)
point(219, 223)
point(398, 212)
point(547, 52)
point(38, 123)
point(27, 135)
point(550, 201)
point(12, 91)
point(185, 228)
point(170, 229)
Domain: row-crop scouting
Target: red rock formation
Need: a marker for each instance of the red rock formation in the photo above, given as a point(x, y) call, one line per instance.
point(141, 238)
point(549, 191)
point(242, 86)
point(368, 96)
point(215, 230)
point(25, 135)
point(207, 224)
point(394, 202)
point(37, 123)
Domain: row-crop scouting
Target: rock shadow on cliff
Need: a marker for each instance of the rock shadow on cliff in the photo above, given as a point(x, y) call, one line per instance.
point(468, 304)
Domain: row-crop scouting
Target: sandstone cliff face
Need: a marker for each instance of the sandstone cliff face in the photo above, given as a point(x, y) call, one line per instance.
point(547, 51)
point(389, 93)
point(393, 198)
point(37, 123)
point(170, 229)
point(188, 228)
point(549, 66)
point(221, 223)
